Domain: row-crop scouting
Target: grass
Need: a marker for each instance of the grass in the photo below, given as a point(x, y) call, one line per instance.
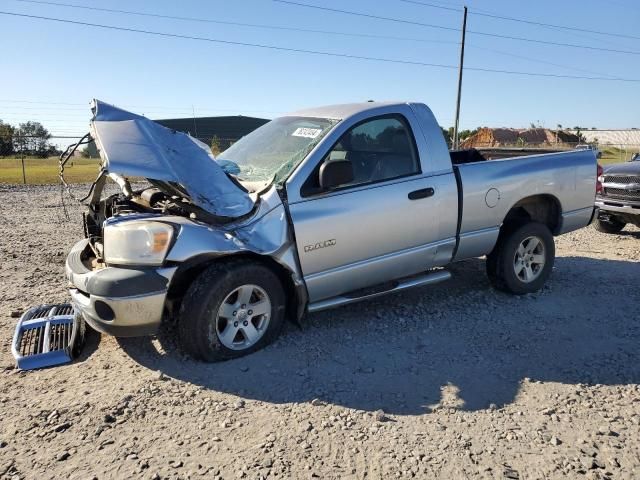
point(40, 171)
point(614, 155)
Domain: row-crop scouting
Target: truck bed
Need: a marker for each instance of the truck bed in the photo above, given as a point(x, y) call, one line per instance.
point(471, 155)
point(490, 186)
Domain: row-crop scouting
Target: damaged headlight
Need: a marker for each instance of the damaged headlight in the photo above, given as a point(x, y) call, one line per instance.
point(137, 243)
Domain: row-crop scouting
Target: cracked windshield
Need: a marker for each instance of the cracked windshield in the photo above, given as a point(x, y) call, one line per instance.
point(272, 151)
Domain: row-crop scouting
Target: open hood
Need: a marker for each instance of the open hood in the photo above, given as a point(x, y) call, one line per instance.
point(133, 145)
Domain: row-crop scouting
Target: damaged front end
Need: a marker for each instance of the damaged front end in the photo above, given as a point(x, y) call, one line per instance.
point(178, 213)
point(182, 174)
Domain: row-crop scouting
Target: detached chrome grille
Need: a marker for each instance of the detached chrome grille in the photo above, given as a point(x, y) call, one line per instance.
point(622, 186)
point(45, 336)
point(32, 341)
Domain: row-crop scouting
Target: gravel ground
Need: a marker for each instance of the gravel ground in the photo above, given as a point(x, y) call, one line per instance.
point(449, 381)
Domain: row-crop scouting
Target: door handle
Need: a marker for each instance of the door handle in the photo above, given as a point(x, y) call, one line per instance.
point(422, 193)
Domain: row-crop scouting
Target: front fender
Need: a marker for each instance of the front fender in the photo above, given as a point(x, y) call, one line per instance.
point(268, 236)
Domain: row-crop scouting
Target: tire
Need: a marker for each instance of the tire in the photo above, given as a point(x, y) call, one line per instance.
point(522, 259)
point(80, 336)
point(213, 325)
point(608, 226)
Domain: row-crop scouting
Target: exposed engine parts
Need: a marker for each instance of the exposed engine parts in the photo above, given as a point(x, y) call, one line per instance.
point(148, 200)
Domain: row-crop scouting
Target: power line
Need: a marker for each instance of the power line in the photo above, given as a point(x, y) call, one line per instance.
point(555, 44)
point(368, 15)
point(40, 136)
point(69, 111)
point(387, 37)
point(87, 113)
point(550, 25)
point(425, 4)
point(484, 13)
point(483, 48)
point(84, 106)
point(73, 121)
point(315, 52)
point(56, 118)
point(474, 32)
point(46, 112)
point(329, 32)
point(537, 60)
point(48, 103)
point(237, 24)
point(227, 42)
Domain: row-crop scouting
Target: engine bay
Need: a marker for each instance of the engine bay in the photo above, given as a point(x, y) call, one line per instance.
point(149, 200)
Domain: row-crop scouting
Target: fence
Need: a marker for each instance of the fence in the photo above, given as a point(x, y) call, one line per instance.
point(82, 167)
point(610, 153)
point(15, 169)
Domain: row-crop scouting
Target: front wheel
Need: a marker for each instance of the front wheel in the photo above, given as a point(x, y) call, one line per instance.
point(522, 259)
point(230, 310)
point(611, 225)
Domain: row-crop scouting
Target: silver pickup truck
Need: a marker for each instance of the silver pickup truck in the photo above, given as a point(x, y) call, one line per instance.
point(316, 209)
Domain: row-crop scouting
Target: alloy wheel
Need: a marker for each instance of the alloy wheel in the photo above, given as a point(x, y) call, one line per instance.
point(529, 259)
point(243, 317)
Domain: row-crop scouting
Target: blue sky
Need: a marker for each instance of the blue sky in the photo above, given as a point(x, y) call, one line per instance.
point(52, 70)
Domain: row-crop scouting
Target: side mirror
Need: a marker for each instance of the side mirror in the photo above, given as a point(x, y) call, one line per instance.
point(334, 173)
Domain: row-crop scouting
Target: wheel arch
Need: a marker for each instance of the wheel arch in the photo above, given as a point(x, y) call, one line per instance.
point(500, 262)
point(190, 269)
point(543, 208)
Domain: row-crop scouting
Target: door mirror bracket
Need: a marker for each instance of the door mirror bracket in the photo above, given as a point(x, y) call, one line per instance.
point(334, 173)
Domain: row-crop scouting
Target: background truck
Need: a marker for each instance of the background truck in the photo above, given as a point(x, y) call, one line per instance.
point(316, 209)
point(596, 151)
point(618, 197)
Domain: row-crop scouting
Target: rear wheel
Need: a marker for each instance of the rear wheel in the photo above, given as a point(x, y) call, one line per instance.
point(612, 225)
point(522, 259)
point(230, 310)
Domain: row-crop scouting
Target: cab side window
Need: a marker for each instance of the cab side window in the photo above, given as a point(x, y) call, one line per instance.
point(379, 149)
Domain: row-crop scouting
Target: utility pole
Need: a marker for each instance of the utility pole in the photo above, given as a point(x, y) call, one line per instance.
point(456, 139)
point(195, 127)
point(24, 175)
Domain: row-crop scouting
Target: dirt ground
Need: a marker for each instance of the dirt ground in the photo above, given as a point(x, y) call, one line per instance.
point(450, 381)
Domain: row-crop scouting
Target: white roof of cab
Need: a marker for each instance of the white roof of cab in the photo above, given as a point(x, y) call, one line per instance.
point(342, 111)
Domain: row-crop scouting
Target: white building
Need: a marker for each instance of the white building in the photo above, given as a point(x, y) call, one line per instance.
point(628, 139)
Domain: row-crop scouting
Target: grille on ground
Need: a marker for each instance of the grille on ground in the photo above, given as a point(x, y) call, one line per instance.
point(46, 335)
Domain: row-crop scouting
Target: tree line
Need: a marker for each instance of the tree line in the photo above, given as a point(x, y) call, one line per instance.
point(462, 134)
point(29, 138)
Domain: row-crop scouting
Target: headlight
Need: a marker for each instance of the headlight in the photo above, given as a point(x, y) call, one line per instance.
point(137, 242)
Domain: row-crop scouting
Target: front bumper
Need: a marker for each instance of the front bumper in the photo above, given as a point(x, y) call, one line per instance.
point(617, 206)
point(124, 302)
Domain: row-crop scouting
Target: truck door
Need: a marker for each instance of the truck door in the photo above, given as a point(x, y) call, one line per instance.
point(383, 225)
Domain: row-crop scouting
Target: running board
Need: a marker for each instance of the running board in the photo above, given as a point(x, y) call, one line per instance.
point(402, 284)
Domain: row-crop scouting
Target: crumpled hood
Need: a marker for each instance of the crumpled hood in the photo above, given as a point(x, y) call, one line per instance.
point(133, 145)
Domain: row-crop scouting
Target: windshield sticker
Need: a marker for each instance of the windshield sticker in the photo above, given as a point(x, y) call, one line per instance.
point(306, 132)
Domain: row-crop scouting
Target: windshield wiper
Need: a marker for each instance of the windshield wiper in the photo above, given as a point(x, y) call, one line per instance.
point(228, 166)
point(236, 181)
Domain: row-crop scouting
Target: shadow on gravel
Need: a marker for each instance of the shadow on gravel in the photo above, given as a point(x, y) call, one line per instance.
point(458, 344)
point(91, 344)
